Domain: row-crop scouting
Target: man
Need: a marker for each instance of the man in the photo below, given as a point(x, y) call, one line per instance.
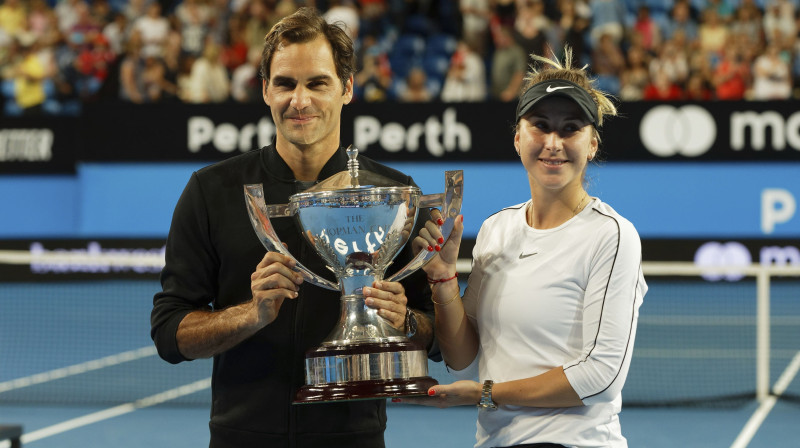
point(223, 297)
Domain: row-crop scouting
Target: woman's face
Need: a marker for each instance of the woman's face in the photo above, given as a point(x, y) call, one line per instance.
point(555, 142)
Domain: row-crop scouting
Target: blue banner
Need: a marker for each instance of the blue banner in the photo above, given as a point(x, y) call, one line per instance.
point(663, 200)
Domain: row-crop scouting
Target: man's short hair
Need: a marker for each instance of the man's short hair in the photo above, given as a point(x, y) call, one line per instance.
point(305, 25)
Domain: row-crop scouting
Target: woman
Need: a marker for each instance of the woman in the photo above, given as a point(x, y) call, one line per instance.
point(549, 314)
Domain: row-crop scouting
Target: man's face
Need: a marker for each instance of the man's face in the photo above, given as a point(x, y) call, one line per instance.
point(305, 95)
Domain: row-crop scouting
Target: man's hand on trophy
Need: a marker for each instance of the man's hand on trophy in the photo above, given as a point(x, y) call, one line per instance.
point(271, 283)
point(430, 238)
point(389, 298)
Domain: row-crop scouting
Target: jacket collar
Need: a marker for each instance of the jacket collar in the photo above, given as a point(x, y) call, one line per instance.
point(274, 164)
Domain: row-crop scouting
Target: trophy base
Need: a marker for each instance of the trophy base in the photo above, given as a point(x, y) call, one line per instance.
point(364, 390)
point(365, 371)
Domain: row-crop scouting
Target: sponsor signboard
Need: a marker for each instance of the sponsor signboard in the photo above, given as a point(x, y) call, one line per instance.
point(80, 259)
point(30, 145)
point(83, 259)
point(645, 131)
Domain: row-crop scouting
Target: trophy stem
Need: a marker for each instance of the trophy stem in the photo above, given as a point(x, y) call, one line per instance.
point(359, 323)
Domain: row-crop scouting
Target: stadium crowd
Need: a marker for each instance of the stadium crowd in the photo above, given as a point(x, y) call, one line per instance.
point(56, 55)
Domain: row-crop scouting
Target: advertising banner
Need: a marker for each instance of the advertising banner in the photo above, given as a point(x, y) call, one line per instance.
point(38, 145)
point(644, 131)
point(91, 259)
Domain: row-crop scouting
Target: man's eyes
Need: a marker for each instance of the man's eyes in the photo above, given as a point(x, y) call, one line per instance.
point(291, 85)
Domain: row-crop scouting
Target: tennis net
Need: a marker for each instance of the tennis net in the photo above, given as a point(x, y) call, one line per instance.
point(85, 341)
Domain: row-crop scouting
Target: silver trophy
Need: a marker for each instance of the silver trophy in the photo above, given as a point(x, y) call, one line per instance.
point(358, 222)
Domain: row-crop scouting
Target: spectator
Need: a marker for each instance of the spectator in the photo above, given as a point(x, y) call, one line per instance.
point(608, 17)
point(172, 63)
point(85, 29)
point(193, 19)
point(779, 21)
point(260, 19)
point(701, 65)
point(415, 89)
point(661, 88)
point(29, 76)
point(154, 30)
point(635, 77)
point(748, 23)
point(475, 16)
point(747, 29)
point(374, 81)
point(234, 51)
point(221, 18)
point(681, 21)
point(530, 26)
point(67, 13)
point(771, 76)
point(208, 81)
point(39, 18)
point(509, 63)
point(731, 76)
point(607, 64)
point(504, 13)
point(13, 18)
point(713, 34)
point(466, 76)
point(131, 77)
point(697, 88)
point(723, 8)
point(101, 12)
point(92, 65)
point(135, 9)
point(672, 61)
point(373, 17)
point(345, 13)
point(647, 29)
point(570, 28)
point(245, 83)
point(117, 32)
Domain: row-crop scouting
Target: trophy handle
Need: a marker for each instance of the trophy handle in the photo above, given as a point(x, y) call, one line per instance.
point(450, 201)
point(259, 217)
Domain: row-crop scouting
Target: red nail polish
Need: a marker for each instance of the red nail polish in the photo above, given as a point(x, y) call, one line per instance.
point(430, 248)
point(439, 221)
point(461, 218)
point(441, 240)
point(431, 392)
point(438, 248)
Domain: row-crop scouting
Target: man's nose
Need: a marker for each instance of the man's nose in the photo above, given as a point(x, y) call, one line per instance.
point(301, 98)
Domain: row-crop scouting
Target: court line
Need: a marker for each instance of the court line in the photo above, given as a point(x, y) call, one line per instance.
point(77, 369)
point(113, 412)
point(758, 417)
point(711, 321)
point(706, 353)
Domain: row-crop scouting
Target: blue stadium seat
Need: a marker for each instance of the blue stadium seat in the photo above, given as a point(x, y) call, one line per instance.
point(440, 44)
point(407, 51)
point(436, 66)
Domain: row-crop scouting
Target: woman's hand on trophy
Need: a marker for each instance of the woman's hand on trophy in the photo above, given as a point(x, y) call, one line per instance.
point(430, 238)
point(273, 281)
point(389, 298)
point(460, 393)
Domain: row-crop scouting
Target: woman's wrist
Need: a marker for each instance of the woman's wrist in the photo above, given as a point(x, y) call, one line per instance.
point(442, 278)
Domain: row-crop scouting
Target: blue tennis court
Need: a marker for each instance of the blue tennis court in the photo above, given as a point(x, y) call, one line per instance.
point(78, 369)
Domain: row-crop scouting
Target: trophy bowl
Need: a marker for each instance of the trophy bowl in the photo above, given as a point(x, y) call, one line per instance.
point(358, 221)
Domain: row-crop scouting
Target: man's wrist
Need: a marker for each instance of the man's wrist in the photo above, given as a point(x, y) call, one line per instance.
point(410, 324)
